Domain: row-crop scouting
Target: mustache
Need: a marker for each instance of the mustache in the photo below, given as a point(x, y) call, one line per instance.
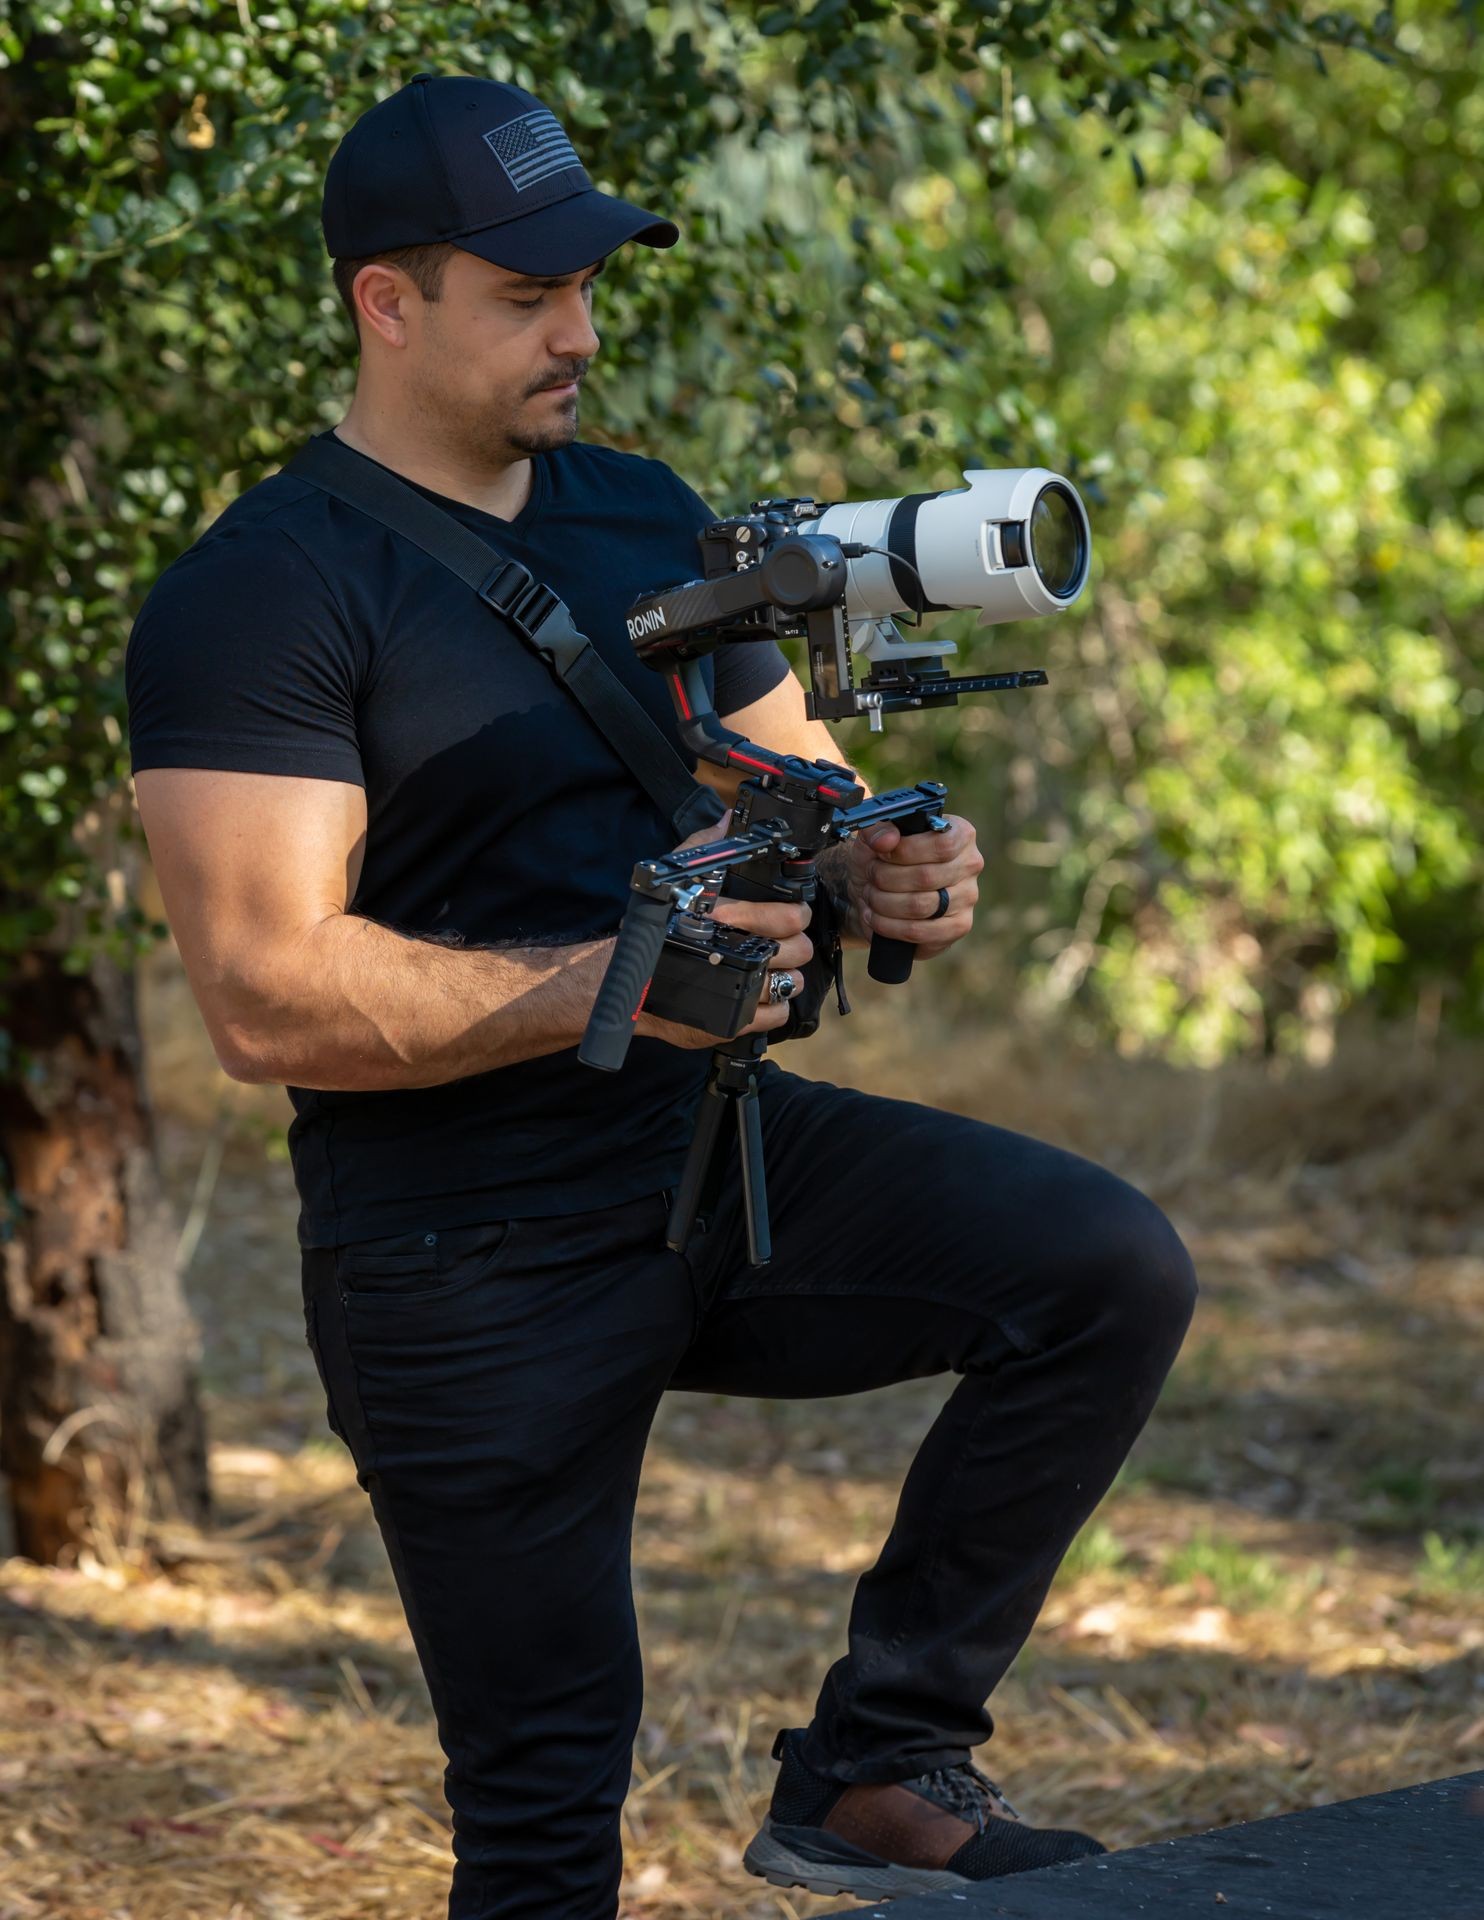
point(561, 380)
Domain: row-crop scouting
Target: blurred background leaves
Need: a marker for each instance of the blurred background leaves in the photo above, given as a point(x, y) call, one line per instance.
point(1219, 263)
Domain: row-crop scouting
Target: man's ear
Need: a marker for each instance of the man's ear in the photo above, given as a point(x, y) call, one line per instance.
point(380, 292)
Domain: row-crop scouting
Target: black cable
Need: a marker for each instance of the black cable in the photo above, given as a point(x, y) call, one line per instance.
point(856, 550)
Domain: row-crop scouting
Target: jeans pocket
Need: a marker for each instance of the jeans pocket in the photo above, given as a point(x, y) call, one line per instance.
point(411, 1270)
point(393, 1263)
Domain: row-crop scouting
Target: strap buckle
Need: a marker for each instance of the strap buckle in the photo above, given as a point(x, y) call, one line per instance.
point(513, 591)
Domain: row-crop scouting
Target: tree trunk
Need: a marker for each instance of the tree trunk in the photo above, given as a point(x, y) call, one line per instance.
point(99, 1406)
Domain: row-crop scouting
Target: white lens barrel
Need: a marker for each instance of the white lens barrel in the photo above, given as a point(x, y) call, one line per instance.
point(1013, 541)
point(870, 591)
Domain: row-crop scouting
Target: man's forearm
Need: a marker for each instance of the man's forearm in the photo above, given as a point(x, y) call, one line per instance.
point(359, 1008)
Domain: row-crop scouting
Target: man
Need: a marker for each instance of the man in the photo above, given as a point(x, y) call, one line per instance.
point(394, 852)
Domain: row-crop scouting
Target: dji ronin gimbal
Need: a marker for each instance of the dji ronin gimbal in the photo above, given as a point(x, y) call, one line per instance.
point(1011, 543)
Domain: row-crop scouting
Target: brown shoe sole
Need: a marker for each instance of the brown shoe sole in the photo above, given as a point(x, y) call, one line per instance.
point(779, 1864)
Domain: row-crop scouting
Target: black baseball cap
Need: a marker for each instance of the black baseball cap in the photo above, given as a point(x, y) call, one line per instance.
point(483, 165)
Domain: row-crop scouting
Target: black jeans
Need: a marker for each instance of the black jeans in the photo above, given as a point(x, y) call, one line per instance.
point(496, 1385)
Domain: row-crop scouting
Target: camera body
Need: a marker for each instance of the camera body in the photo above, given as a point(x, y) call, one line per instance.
point(709, 975)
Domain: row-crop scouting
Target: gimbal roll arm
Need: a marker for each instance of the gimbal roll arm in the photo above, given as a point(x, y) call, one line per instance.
point(702, 731)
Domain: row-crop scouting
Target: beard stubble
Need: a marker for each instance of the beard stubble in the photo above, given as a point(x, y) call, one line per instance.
point(503, 427)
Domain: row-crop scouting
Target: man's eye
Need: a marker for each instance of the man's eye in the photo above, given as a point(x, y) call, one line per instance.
point(526, 305)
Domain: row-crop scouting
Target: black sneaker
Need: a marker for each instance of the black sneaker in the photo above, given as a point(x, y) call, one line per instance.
point(943, 1829)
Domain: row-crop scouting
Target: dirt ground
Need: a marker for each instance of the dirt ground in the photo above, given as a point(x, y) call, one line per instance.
point(1281, 1603)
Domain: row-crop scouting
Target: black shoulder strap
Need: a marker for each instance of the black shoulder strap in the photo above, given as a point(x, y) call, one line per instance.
point(541, 620)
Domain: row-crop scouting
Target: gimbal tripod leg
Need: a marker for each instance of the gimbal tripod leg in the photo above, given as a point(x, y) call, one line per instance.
point(698, 1181)
point(754, 1182)
point(730, 1086)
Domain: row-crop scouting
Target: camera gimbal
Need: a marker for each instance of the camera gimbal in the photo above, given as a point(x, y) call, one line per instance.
point(764, 579)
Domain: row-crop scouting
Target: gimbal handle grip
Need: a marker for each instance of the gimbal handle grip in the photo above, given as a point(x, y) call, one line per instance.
point(890, 961)
point(610, 1025)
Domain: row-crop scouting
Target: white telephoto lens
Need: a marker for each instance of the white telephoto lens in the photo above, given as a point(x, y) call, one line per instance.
point(1012, 541)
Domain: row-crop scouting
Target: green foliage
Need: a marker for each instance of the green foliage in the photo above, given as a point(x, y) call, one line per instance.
point(1450, 1569)
point(1273, 807)
point(1238, 1579)
point(911, 243)
point(1251, 795)
point(1097, 1549)
point(1399, 1496)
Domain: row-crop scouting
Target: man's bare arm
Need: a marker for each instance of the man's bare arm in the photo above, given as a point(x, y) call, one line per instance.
point(256, 871)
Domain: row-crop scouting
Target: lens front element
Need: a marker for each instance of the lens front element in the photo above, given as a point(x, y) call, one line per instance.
point(1055, 534)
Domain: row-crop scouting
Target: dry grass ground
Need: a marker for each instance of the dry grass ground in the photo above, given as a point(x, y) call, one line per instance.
point(1281, 1602)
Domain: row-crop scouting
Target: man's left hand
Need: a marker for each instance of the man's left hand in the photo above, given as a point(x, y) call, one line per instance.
point(894, 880)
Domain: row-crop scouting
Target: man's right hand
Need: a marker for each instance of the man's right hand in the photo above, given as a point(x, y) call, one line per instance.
point(778, 920)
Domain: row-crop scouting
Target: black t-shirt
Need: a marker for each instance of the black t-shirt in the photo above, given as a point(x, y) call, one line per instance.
point(297, 636)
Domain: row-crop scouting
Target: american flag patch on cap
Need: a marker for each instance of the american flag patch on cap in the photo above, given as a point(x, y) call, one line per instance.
point(532, 148)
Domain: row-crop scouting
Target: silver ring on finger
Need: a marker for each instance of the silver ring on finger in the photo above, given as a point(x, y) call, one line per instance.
point(781, 986)
point(942, 904)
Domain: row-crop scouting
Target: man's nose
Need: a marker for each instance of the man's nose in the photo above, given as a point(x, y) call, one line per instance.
point(573, 338)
